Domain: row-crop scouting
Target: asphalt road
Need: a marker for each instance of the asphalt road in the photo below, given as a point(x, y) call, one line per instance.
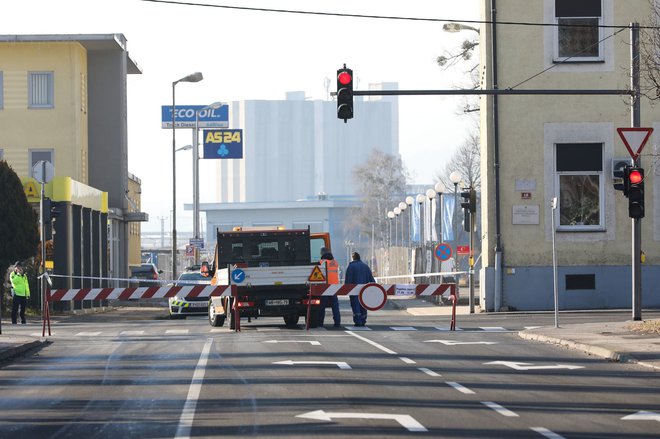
point(132, 373)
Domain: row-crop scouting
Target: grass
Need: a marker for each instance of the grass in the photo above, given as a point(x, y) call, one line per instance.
point(646, 327)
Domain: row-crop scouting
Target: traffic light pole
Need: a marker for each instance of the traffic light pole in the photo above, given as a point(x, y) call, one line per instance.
point(635, 119)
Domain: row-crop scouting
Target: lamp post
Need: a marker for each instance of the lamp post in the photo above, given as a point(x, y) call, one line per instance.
point(194, 77)
point(397, 213)
point(421, 198)
point(455, 178)
point(409, 201)
point(195, 147)
point(402, 206)
point(430, 194)
point(390, 215)
point(439, 187)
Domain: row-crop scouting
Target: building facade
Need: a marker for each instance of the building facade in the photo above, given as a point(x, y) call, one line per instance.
point(542, 146)
point(63, 100)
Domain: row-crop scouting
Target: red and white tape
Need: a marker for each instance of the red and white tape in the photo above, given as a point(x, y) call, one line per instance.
point(139, 292)
point(399, 290)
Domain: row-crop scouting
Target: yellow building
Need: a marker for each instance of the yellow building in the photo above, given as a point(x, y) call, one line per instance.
point(544, 145)
point(63, 100)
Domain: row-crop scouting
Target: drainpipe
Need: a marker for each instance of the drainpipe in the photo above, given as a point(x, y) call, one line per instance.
point(496, 159)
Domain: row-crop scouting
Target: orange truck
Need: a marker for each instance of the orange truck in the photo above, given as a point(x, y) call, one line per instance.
point(270, 268)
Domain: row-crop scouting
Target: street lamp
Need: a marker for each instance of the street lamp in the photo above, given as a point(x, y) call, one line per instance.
point(439, 187)
point(421, 198)
point(409, 201)
point(195, 147)
point(457, 27)
point(403, 206)
point(455, 178)
point(390, 215)
point(397, 212)
point(194, 77)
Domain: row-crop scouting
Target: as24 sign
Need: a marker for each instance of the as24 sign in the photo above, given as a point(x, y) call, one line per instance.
point(223, 144)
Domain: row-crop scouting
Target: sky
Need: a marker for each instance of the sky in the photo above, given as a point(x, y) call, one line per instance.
point(262, 55)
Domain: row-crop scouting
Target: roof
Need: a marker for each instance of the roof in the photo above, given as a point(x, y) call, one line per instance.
point(91, 42)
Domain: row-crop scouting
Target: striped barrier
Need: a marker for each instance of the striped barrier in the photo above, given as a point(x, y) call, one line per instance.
point(136, 293)
point(399, 290)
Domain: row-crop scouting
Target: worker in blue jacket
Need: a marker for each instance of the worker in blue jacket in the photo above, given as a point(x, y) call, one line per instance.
point(358, 272)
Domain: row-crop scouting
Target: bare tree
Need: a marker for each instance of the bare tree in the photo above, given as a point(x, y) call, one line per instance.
point(650, 54)
point(467, 161)
point(382, 183)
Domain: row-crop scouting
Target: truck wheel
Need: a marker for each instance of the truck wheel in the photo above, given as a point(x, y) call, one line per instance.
point(291, 321)
point(215, 320)
point(314, 317)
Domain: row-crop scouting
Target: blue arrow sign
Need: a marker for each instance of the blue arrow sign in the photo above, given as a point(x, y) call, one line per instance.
point(237, 276)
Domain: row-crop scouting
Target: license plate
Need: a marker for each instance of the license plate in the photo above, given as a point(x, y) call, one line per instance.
point(277, 302)
point(198, 304)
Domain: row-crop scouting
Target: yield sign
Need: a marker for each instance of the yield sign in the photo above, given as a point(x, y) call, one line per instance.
point(634, 139)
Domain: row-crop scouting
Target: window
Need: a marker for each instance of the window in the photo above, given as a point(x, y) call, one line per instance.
point(578, 33)
point(40, 90)
point(40, 154)
point(579, 180)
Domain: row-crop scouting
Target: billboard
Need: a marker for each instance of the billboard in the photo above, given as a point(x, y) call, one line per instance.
point(186, 115)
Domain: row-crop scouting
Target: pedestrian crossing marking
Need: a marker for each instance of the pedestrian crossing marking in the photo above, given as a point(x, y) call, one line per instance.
point(358, 328)
point(403, 328)
point(492, 328)
point(129, 333)
point(88, 334)
point(177, 331)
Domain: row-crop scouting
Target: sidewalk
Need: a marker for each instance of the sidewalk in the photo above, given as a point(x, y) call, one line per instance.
point(14, 346)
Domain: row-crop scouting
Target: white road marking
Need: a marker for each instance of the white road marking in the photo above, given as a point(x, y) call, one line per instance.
point(372, 343)
point(407, 360)
point(457, 342)
point(312, 342)
point(339, 364)
point(446, 328)
point(358, 328)
point(643, 416)
point(406, 421)
point(547, 433)
point(429, 372)
point(188, 413)
point(267, 329)
point(460, 387)
point(529, 366)
point(128, 333)
point(492, 328)
point(220, 330)
point(533, 327)
point(177, 331)
point(403, 328)
point(499, 409)
point(88, 334)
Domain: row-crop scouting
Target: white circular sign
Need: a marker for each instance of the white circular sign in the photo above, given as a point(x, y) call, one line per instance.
point(373, 297)
point(43, 171)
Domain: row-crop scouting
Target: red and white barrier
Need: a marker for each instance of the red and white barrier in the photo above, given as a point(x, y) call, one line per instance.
point(399, 290)
point(139, 292)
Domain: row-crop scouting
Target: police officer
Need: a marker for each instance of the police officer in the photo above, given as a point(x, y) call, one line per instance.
point(358, 272)
point(332, 270)
point(20, 291)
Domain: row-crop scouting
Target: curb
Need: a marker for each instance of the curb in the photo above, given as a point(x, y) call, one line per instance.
point(598, 351)
point(14, 352)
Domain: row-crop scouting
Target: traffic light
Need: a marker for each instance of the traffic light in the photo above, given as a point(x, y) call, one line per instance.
point(469, 205)
point(635, 190)
point(51, 210)
point(345, 93)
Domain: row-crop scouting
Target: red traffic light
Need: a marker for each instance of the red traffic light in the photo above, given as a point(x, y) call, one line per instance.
point(635, 176)
point(344, 78)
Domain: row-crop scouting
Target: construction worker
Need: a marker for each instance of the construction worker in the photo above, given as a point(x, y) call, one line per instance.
point(20, 291)
point(332, 277)
point(358, 272)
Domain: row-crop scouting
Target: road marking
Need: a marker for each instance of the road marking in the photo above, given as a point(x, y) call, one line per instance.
point(407, 360)
point(267, 329)
point(547, 433)
point(499, 409)
point(372, 343)
point(460, 388)
point(403, 328)
point(529, 366)
point(128, 333)
point(177, 331)
point(88, 334)
point(220, 330)
point(406, 421)
point(429, 372)
point(457, 342)
point(643, 416)
point(492, 328)
point(188, 413)
point(358, 328)
point(339, 364)
point(446, 328)
point(312, 342)
point(533, 327)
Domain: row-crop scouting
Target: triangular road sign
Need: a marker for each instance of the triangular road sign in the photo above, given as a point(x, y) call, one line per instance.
point(317, 275)
point(635, 139)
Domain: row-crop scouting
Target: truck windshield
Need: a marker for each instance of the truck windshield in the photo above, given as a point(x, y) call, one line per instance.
point(264, 249)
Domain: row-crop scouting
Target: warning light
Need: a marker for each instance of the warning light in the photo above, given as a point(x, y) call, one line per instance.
point(635, 176)
point(344, 78)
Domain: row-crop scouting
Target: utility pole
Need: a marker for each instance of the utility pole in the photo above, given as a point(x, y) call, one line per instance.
point(635, 121)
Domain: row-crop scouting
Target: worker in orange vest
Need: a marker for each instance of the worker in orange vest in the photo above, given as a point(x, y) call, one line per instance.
point(332, 277)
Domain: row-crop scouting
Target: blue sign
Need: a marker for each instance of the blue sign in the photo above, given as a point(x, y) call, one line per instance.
point(186, 115)
point(443, 251)
point(237, 276)
point(223, 144)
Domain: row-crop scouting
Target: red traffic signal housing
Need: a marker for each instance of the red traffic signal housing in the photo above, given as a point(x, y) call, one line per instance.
point(635, 182)
point(345, 93)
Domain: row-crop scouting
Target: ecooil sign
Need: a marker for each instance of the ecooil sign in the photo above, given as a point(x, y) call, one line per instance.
point(185, 116)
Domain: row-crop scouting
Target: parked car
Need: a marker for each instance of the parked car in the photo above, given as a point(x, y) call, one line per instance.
point(179, 306)
point(146, 274)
